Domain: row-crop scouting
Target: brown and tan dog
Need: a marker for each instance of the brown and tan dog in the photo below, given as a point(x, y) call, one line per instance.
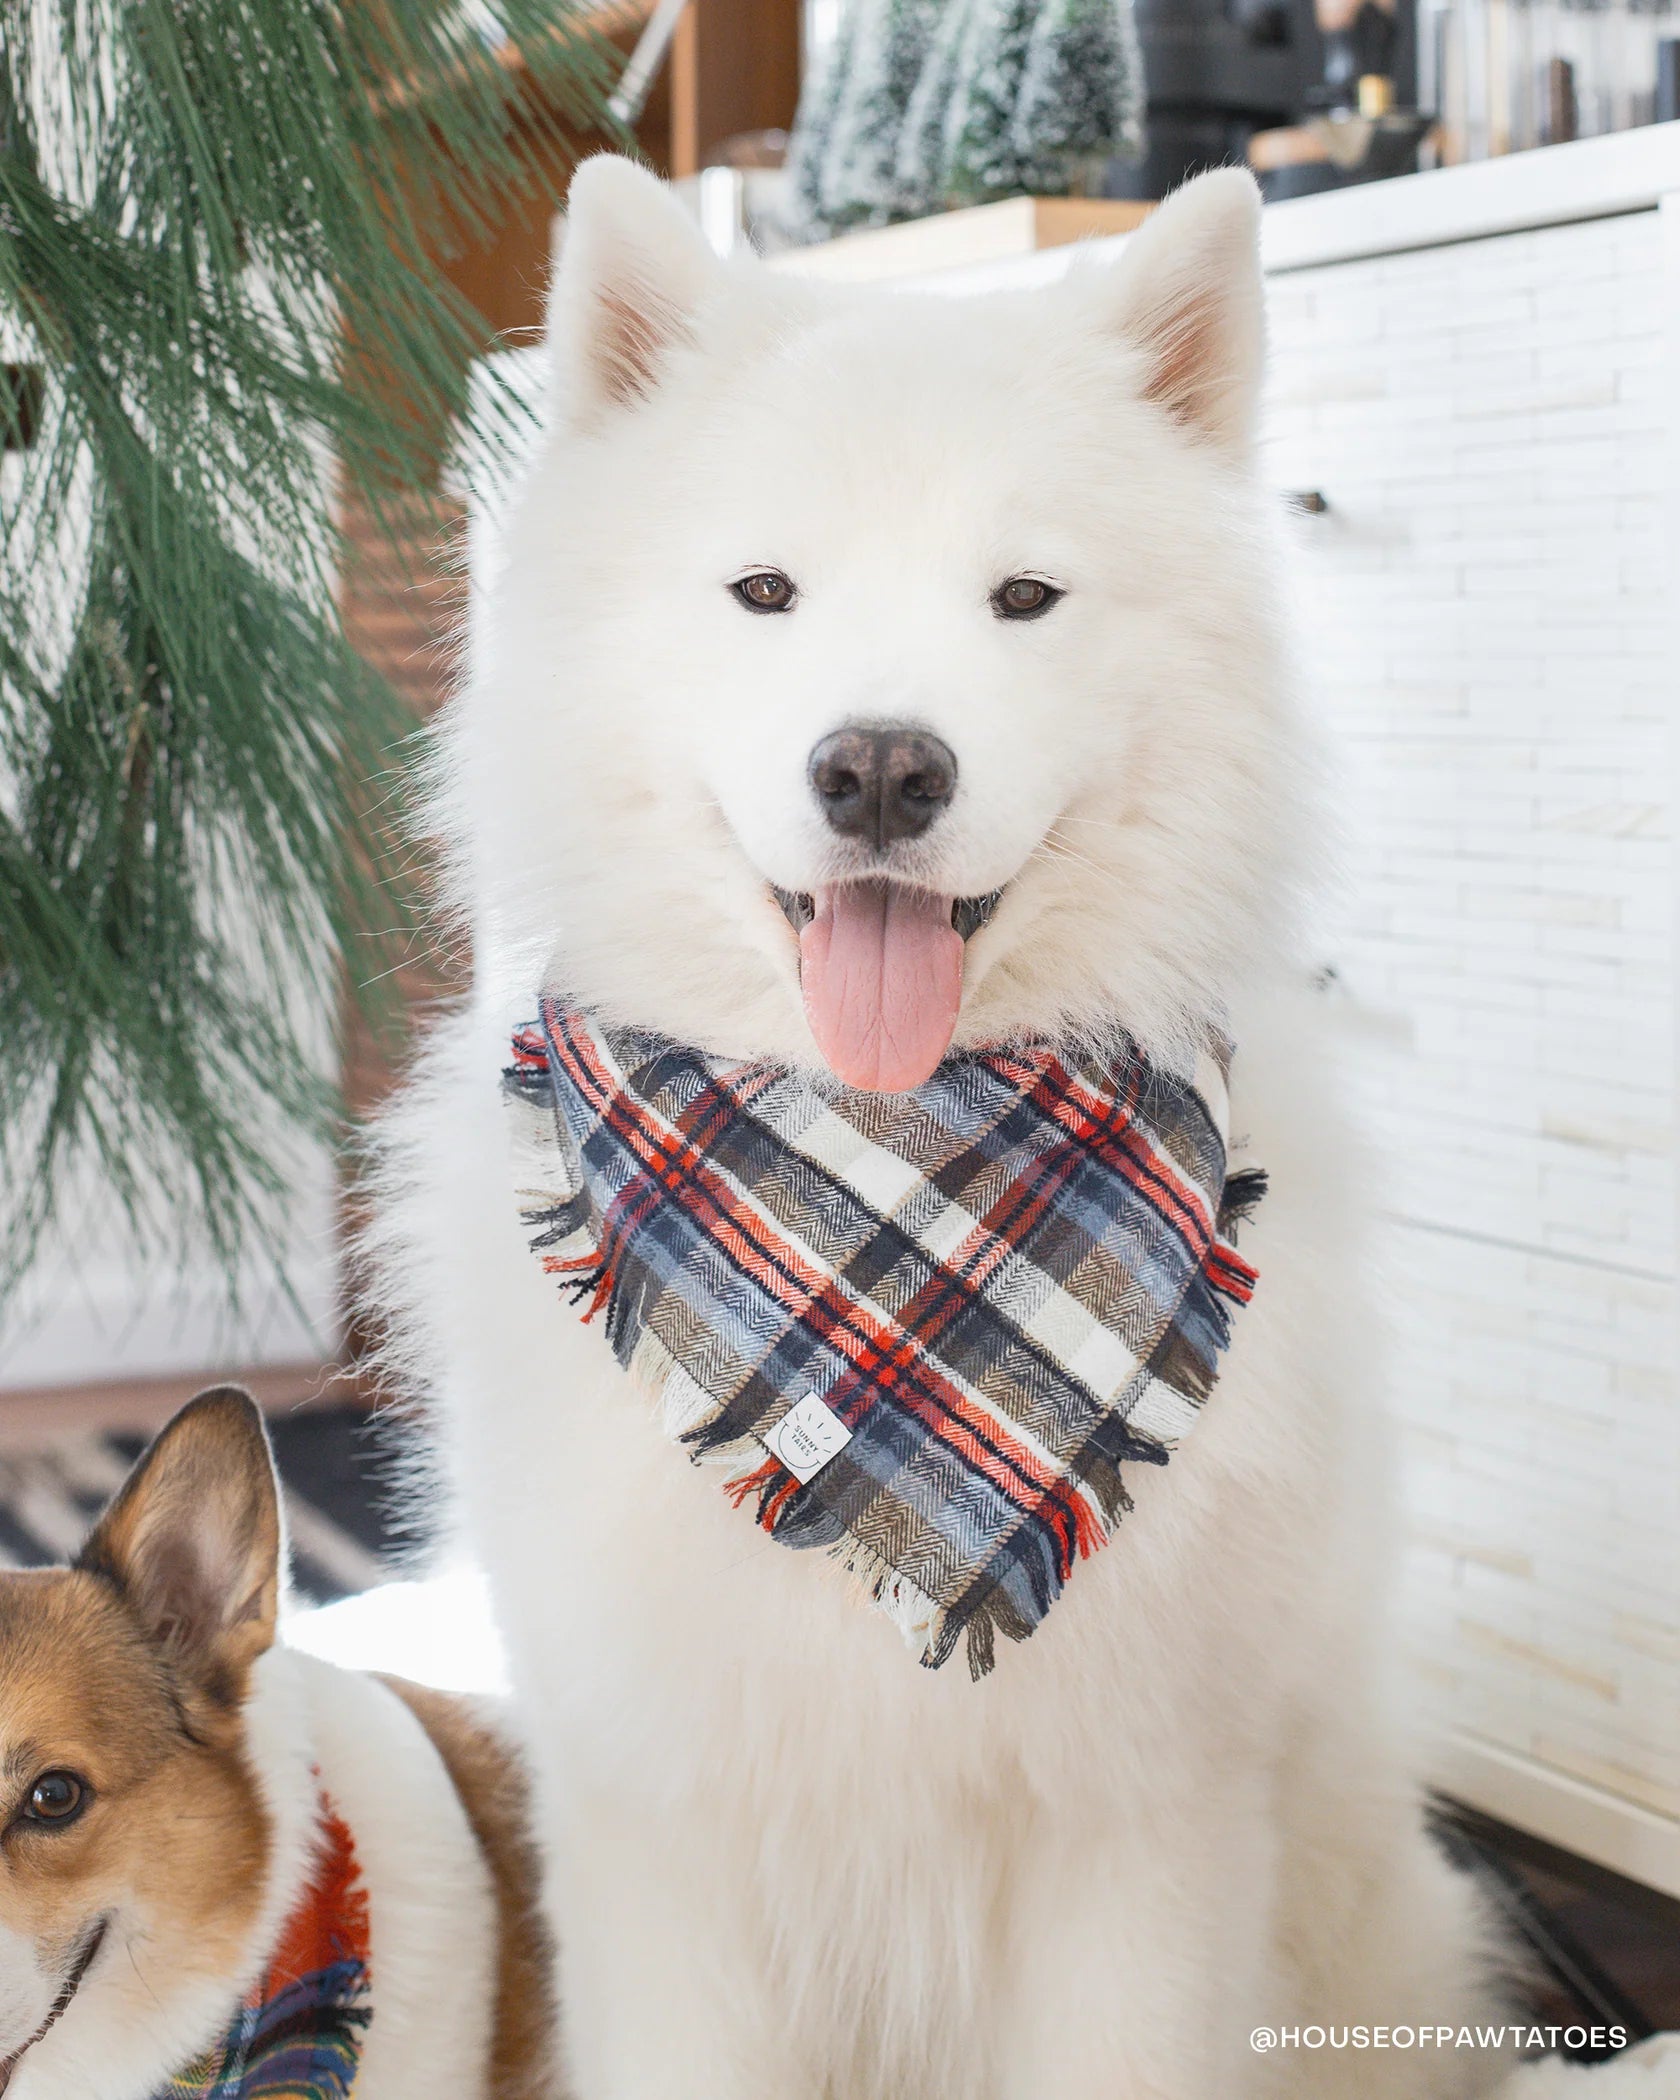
point(225, 1865)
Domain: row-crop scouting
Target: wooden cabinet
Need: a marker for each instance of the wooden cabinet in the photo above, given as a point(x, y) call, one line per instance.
point(734, 67)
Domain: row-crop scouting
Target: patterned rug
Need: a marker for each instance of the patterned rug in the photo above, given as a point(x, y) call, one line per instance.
point(336, 1479)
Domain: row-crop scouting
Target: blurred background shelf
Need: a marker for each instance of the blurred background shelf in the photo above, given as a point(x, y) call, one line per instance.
point(984, 233)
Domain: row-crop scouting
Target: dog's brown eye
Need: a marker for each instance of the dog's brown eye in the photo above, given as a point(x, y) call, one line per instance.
point(56, 1797)
point(1024, 598)
point(764, 591)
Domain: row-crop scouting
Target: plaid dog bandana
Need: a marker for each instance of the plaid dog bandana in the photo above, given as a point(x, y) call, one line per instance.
point(923, 1331)
point(299, 2034)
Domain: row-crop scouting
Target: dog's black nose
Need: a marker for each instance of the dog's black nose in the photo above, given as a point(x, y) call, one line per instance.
point(882, 784)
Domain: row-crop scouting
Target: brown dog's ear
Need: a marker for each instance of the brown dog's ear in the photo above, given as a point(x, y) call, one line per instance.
point(192, 1542)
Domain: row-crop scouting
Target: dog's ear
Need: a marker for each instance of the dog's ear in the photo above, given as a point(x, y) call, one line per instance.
point(193, 1543)
point(1187, 292)
point(633, 268)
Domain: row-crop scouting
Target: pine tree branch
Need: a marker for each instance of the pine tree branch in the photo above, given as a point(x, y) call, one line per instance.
point(220, 243)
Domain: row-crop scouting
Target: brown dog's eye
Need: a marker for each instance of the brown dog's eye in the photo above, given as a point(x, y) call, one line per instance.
point(1024, 598)
point(764, 591)
point(56, 1797)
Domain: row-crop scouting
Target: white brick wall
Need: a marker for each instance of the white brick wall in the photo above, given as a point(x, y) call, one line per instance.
point(1489, 634)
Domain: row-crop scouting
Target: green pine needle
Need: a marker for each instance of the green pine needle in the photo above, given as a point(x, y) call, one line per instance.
point(223, 313)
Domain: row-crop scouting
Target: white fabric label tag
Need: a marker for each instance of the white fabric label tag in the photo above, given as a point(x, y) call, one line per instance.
point(807, 1437)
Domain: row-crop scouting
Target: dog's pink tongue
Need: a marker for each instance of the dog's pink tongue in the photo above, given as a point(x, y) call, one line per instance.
point(881, 968)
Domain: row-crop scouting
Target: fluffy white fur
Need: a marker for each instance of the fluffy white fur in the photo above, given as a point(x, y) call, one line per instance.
point(133, 2023)
point(784, 1863)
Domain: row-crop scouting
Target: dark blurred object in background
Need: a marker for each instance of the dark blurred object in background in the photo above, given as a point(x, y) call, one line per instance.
point(1326, 92)
point(1668, 80)
point(1356, 128)
point(1217, 72)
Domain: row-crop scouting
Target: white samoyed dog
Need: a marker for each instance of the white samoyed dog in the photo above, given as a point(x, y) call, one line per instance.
point(1013, 551)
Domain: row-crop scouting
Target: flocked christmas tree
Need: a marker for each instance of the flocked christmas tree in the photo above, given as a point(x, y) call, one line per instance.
point(981, 159)
point(221, 322)
point(930, 103)
point(861, 181)
point(921, 142)
point(813, 127)
point(1081, 98)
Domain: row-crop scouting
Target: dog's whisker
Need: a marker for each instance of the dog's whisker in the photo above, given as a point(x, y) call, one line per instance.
point(1062, 855)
